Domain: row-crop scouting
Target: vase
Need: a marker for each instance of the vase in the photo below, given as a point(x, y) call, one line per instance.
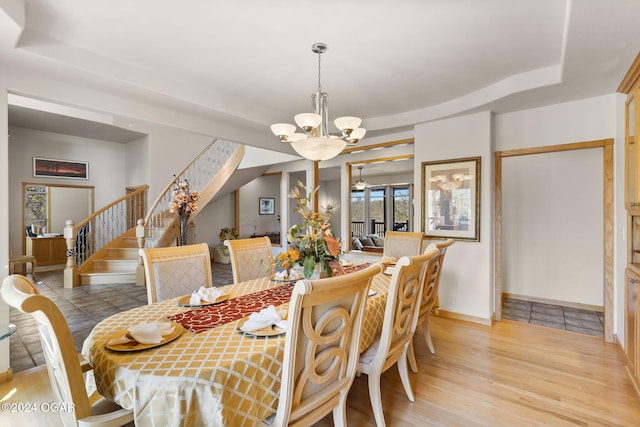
point(318, 272)
point(183, 229)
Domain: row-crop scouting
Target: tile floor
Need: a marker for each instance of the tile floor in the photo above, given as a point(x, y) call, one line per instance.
point(554, 316)
point(83, 307)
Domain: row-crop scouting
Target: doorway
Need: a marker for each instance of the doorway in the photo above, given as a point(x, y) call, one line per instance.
point(607, 219)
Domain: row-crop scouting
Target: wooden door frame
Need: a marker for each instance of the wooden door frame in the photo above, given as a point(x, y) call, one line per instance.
point(607, 152)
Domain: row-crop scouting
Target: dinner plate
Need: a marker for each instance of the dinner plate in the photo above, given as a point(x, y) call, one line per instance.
point(178, 329)
point(389, 271)
point(184, 301)
point(269, 331)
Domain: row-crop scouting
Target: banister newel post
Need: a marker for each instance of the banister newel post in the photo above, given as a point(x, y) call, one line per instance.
point(70, 271)
point(140, 235)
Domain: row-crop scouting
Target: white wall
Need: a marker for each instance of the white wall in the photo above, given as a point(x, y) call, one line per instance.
point(106, 160)
point(4, 218)
point(583, 120)
point(250, 219)
point(552, 222)
point(466, 282)
point(137, 169)
point(214, 217)
point(68, 203)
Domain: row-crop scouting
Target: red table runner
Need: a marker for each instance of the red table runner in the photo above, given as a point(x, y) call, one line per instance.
point(205, 318)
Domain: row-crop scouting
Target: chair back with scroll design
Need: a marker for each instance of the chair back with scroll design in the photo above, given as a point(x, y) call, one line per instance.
point(63, 363)
point(399, 325)
point(400, 243)
point(176, 270)
point(321, 347)
point(430, 296)
point(250, 258)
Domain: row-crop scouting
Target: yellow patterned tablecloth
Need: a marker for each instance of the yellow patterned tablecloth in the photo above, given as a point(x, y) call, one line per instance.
point(219, 377)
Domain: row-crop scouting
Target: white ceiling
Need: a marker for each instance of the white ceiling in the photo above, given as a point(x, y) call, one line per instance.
point(395, 64)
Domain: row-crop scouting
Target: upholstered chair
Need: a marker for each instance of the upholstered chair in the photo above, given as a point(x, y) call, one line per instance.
point(321, 347)
point(65, 366)
point(250, 258)
point(399, 324)
point(400, 243)
point(429, 296)
point(176, 270)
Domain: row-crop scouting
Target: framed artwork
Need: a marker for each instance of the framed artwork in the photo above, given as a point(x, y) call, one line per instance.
point(54, 168)
point(451, 199)
point(267, 206)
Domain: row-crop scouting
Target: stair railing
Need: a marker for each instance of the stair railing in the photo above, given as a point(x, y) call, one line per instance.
point(94, 232)
point(200, 172)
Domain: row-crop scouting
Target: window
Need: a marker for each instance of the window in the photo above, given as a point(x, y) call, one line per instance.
point(357, 213)
point(401, 208)
point(381, 208)
point(377, 211)
point(36, 205)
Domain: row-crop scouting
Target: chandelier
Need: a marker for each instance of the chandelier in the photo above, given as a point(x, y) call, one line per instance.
point(457, 179)
point(316, 143)
point(360, 184)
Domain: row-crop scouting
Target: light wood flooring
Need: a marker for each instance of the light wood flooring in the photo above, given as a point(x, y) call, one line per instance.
point(509, 374)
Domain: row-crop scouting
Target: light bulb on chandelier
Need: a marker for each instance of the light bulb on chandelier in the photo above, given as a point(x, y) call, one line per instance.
point(316, 143)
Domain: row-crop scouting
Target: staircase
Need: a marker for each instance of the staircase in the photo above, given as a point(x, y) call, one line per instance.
point(110, 254)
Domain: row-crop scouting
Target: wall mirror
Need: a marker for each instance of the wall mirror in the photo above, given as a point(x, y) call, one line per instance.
point(383, 201)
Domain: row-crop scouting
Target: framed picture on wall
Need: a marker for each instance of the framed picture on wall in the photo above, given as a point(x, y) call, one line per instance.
point(267, 205)
point(451, 199)
point(54, 168)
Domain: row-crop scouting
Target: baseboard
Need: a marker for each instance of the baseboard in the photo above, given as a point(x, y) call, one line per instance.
point(453, 315)
point(7, 376)
point(580, 306)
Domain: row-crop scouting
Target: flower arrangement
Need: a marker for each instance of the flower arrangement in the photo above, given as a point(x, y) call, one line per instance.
point(228, 234)
point(311, 241)
point(184, 201)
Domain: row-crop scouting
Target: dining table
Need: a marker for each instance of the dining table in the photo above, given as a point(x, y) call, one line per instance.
point(212, 374)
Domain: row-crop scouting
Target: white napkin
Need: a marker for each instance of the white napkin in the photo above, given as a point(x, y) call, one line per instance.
point(205, 294)
point(388, 260)
point(389, 271)
point(346, 263)
point(282, 275)
point(145, 333)
point(264, 318)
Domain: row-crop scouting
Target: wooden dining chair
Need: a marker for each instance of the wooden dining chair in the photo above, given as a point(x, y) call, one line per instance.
point(398, 327)
point(429, 297)
point(250, 258)
point(64, 365)
point(321, 347)
point(176, 270)
point(400, 243)
point(21, 259)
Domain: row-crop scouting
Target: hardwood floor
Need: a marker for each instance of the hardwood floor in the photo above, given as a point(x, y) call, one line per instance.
point(510, 374)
